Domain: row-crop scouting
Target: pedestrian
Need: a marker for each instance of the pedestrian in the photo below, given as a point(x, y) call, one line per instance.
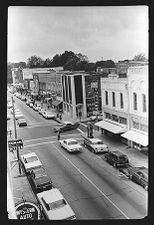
point(60, 116)
point(59, 135)
point(10, 133)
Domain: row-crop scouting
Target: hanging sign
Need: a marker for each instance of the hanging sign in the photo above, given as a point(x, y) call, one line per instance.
point(27, 211)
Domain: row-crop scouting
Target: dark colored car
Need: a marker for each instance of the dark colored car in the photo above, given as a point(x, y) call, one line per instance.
point(40, 180)
point(22, 122)
point(139, 175)
point(117, 159)
point(66, 126)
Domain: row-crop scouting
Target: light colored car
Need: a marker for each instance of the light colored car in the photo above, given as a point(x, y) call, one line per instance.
point(30, 161)
point(48, 115)
point(23, 98)
point(18, 116)
point(54, 205)
point(41, 110)
point(95, 145)
point(71, 145)
point(8, 116)
point(31, 105)
point(9, 105)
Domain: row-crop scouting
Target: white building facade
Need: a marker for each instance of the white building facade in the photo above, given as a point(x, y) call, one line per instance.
point(137, 135)
point(115, 105)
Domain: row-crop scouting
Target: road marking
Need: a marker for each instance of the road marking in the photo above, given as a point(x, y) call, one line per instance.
point(80, 131)
point(42, 143)
point(55, 136)
point(78, 169)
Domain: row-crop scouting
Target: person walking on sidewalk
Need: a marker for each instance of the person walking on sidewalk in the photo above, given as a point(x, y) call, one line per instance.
point(59, 134)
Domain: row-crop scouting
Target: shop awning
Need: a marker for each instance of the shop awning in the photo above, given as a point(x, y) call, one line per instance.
point(112, 127)
point(56, 103)
point(136, 137)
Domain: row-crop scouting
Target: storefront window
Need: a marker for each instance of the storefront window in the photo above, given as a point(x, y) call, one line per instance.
point(135, 125)
point(107, 115)
point(114, 118)
point(144, 127)
point(122, 120)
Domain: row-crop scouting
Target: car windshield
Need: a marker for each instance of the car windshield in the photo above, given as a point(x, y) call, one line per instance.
point(123, 157)
point(72, 143)
point(31, 159)
point(39, 175)
point(57, 204)
point(98, 143)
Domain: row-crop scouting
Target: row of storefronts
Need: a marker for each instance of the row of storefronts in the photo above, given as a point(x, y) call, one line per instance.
point(121, 98)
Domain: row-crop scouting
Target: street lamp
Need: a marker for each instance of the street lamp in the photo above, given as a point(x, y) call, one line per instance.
point(15, 132)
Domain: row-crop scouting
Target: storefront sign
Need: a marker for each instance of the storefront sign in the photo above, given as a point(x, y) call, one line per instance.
point(27, 211)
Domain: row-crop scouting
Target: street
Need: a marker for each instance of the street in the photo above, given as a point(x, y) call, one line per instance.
point(93, 188)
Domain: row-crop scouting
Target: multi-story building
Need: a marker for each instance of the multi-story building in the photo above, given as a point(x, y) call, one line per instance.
point(125, 106)
point(115, 107)
point(17, 75)
point(137, 135)
point(81, 94)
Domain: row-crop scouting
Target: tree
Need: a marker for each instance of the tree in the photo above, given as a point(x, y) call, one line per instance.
point(47, 63)
point(105, 64)
point(140, 57)
point(35, 62)
point(9, 73)
point(90, 67)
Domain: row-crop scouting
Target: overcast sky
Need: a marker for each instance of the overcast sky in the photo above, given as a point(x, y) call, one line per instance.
point(109, 32)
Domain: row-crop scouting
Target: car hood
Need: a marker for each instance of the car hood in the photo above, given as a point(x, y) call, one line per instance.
point(100, 146)
point(61, 213)
point(32, 165)
point(42, 180)
point(74, 146)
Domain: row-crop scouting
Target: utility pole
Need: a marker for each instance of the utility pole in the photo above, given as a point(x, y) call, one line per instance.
point(15, 132)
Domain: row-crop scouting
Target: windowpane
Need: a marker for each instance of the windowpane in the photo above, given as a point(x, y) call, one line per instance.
point(121, 101)
point(106, 97)
point(113, 99)
point(144, 102)
point(135, 101)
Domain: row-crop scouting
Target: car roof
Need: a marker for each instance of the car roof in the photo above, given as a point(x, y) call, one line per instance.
point(29, 154)
point(118, 153)
point(66, 122)
point(95, 139)
point(52, 195)
point(70, 139)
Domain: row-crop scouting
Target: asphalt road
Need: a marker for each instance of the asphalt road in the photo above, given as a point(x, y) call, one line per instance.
point(94, 189)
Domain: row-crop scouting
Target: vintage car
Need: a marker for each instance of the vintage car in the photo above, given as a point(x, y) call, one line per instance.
point(30, 161)
point(95, 145)
point(55, 206)
point(40, 180)
point(71, 145)
point(117, 159)
point(66, 126)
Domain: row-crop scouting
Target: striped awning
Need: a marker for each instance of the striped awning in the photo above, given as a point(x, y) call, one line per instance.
point(137, 137)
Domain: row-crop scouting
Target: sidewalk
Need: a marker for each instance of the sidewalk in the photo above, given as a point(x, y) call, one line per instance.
point(136, 157)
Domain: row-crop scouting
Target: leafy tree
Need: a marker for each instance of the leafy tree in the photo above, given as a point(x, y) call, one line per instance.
point(20, 64)
point(105, 64)
point(9, 73)
point(47, 63)
point(90, 67)
point(35, 62)
point(140, 57)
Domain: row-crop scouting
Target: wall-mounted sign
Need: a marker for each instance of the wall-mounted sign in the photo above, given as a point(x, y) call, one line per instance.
point(27, 211)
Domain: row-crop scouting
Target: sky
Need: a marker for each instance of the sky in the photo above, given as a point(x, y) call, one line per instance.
point(99, 32)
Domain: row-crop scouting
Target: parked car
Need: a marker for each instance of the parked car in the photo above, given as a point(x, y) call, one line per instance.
point(95, 145)
point(15, 111)
point(41, 110)
point(71, 145)
point(55, 206)
point(31, 105)
point(22, 122)
point(23, 98)
point(117, 158)
point(66, 126)
point(30, 161)
point(18, 116)
point(48, 115)
point(9, 105)
point(8, 116)
point(139, 175)
point(40, 179)
point(28, 102)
